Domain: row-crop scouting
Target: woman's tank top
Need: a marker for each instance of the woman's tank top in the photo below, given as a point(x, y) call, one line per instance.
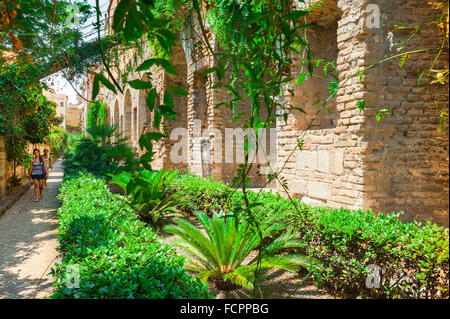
point(46, 159)
point(38, 168)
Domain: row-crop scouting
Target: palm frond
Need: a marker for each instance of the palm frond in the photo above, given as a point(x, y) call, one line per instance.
point(242, 276)
point(292, 263)
point(224, 246)
point(191, 235)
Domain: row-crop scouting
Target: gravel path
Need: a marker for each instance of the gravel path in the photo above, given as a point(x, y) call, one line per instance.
point(28, 242)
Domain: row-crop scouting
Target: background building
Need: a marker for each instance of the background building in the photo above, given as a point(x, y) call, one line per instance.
point(74, 118)
point(62, 102)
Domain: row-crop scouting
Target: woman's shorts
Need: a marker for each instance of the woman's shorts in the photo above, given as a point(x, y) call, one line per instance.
point(38, 177)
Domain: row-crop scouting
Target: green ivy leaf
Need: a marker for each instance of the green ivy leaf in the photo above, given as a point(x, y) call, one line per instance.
point(381, 114)
point(420, 77)
point(302, 77)
point(361, 105)
point(178, 90)
point(166, 111)
point(140, 85)
point(95, 87)
point(168, 66)
point(106, 82)
point(147, 64)
point(168, 99)
point(151, 99)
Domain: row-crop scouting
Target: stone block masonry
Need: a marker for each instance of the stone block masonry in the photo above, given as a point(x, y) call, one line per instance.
point(348, 159)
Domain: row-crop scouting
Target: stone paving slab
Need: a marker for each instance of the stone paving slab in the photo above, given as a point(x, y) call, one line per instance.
point(28, 242)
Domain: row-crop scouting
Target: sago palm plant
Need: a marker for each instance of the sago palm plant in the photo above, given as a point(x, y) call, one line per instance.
point(148, 191)
point(224, 251)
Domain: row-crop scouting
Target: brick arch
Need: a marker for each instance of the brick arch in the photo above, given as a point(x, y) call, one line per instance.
point(143, 112)
point(180, 101)
point(164, 146)
point(116, 114)
point(134, 124)
point(108, 115)
point(127, 114)
point(179, 62)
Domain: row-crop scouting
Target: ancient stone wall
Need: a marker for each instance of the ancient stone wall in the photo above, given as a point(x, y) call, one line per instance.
point(328, 171)
point(406, 160)
point(349, 159)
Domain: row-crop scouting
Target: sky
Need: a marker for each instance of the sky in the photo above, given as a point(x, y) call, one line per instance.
point(58, 82)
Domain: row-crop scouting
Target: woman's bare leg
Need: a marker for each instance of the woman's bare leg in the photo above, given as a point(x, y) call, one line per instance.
point(36, 189)
point(41, 184)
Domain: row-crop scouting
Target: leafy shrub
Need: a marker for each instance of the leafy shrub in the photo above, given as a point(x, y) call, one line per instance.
point(57, 139)
point(413, 257)
point(116, 254)
point(148, 192)
point(97, 113)
point(229, 240)
point(201, 194)
point(72, 139)
point(101, 153)
point(346, 242)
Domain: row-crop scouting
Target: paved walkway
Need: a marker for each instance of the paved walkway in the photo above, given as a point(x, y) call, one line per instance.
point(28, 242)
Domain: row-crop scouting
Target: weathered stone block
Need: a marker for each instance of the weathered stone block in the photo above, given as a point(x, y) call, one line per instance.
point(323, 161)
point(298, 186)
point(337, 161)
point(312, 202)
point(306, 160)
point(319, 190)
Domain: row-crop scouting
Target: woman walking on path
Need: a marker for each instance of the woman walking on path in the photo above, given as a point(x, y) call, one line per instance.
point(47, 162)
point(38, 173)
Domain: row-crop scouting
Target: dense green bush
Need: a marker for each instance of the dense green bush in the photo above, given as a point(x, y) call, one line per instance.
point(413, 256)
point(57, 139)
point(100, 153)
point(147, 192)
point(201, 194)
point(116, 254)
point(72, 139)
point(97, 113)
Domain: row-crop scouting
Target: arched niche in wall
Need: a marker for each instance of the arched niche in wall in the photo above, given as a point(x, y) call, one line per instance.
point(128, 107)
point(314, 90)
point(143, 112)
point(116, 114)
point(163, 82)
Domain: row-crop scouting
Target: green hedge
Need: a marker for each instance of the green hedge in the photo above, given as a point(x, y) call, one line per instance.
point(117, 255)
point(346, 242)
point(414, 257)
point(201, 194)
